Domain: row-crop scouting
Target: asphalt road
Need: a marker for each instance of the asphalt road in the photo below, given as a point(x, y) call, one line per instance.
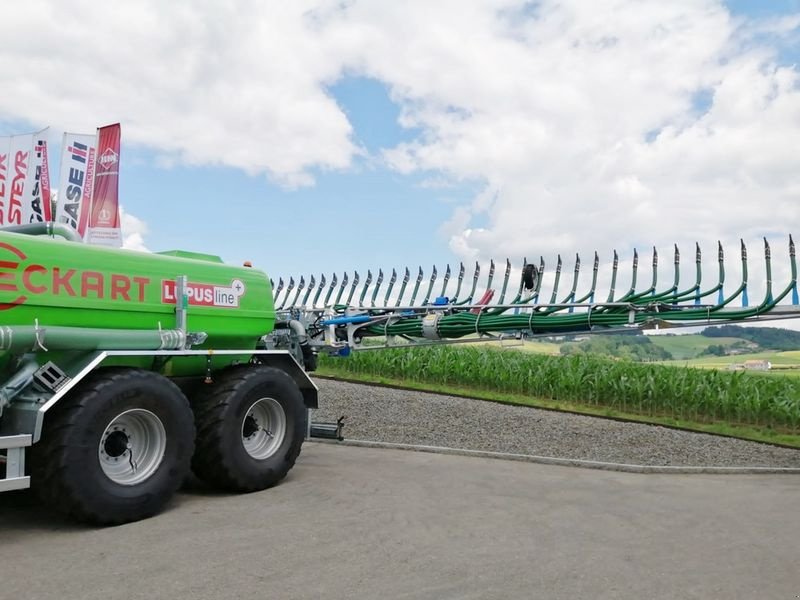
point(371, 523)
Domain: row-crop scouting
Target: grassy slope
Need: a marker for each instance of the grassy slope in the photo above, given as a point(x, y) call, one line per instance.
point(683, 347)
point(778, 359)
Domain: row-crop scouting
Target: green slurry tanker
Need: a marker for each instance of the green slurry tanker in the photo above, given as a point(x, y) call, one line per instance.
point(122, 371)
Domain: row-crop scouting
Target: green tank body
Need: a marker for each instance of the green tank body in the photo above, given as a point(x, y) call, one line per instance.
point(63, 283)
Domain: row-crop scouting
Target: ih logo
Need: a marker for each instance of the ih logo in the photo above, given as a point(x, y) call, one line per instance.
point(205, 294)
point(108, 159)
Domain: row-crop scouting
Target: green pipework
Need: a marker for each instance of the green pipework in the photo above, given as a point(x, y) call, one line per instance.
point(311, 285)
point(556, 281)
point(352, 288)
point(571, 296)
point(590, 294)
point(277, 291)
point(60, 283)
point(695, 293)
point(655, 272)
point(521, 279)
point(651, 291)
point(475, 276)
point(490, 278)
point(768, 259)
point(319, 290)
point(331, 287)
point(289, 289)
point(389, 288)
point(445, 280)
point(634, 273)
point(505, 282)
point(378, 283)
point(431, 283)
point(406, 278)
point(535, 297)
point(614, 267)
point(460, 281)
point(300, 286)
point(677, 271)
point(45, 339)
point(367, 281)
point(46, 229)
point(341, 289)
point(416, 286)
point(635, 308)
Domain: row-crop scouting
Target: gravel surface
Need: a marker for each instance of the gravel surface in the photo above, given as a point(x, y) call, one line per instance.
point(398, 416)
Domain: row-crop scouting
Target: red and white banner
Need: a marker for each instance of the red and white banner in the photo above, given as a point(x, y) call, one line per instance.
point(104, 225)
point(75, 180)
point(44, 181)
point(19, 162)
point(36, 196)
point(5, 151)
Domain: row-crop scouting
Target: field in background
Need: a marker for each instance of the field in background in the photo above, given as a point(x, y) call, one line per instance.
point(738, 403)
point(686, 350)
point(684, 347)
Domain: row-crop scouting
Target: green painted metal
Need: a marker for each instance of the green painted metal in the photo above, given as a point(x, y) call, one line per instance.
point(50, 283)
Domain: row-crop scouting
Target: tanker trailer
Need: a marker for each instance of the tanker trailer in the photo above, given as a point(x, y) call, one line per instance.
point(121, 371)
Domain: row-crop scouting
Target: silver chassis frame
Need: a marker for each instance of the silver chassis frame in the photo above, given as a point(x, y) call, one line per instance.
point(15, 478)
point(101, 356)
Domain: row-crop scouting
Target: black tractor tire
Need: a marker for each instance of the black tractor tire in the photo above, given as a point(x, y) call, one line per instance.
point(67, 464)
point(224, 416)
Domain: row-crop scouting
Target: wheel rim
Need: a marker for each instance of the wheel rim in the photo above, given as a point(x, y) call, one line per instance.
point(132, 447)
point(263, 428)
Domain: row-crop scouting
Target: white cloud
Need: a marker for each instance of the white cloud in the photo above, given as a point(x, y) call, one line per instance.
point(582, 120)
point(592, 125)
point(205, 83)
point(133, 231)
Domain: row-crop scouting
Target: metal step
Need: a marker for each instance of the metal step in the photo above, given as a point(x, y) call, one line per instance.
point(13, 475)
point(330, 431)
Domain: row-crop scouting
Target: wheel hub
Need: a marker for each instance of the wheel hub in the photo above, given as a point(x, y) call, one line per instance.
point(132, 447)
point(116, 444)
point(263, 428)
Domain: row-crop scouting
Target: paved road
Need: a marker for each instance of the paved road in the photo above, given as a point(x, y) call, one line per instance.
point(371, 523)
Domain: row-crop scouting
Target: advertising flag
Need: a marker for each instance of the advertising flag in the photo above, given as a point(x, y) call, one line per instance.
point(36, 204)
point(5, 150)
point(75, 180)
point(104, 225)
point(47, 199)
point(19, 162)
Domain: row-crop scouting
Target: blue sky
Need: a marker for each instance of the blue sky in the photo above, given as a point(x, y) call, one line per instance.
point(419, 166)
point(366, 216)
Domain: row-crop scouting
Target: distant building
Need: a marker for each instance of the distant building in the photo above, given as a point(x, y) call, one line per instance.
point(751, 365)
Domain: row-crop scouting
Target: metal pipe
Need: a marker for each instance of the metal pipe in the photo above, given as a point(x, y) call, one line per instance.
point(31, 338)
point(17, 382)
point(49, 228)
point(181, 302)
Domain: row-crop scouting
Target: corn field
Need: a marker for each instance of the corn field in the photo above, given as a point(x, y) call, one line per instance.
point(647, 390)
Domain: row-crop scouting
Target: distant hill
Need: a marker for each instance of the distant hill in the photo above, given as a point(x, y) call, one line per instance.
point(730, 341)
point(766, 338)
point(632, 347)
point(688, 346)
